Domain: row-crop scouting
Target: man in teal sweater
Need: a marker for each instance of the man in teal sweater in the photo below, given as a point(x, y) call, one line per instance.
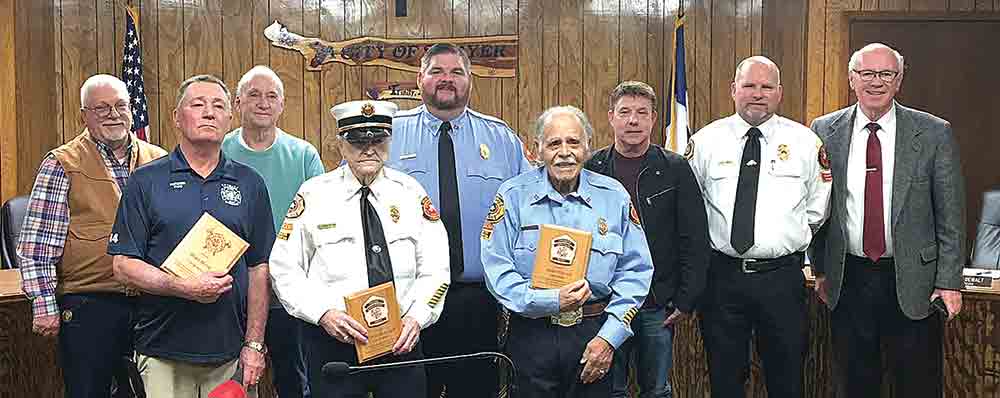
point(285, 162)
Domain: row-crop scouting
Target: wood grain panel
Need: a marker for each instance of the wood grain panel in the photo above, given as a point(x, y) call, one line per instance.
point(151, 67)
point(531, 69)
point(984, 5)
point(29, 364)
point(961, 5)
point(410, 26)
point(57, 111)
point(743, 31)
point(632, 21)
point(170, 21)
point(332, 81)
point(203, 40)
point(835, 73)
point(353, 28)
point(723, 58)
point(373, 16)
point(815, 61)
point(785, 44)
point(658, 36)
point(35, 54)
point(551, 15)
point(893, 5)
point(290, 66)
point(260, 19)
point(79, 61)
point(509, 87)
point(571, 53)
point(8, 104)
point(484, 19)
point(312, 89)
point(237, 49)
point(108, 37)
point(928, 5)
point(600, 71)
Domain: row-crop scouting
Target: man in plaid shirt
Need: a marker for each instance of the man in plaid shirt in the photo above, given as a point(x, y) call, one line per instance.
point(65, 271)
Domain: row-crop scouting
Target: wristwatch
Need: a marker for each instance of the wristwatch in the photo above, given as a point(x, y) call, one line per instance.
point(256, 346)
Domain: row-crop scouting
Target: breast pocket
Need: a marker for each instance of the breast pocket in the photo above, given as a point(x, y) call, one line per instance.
point(724, 169)
point(486, 171)
point(787, 179)
point(411, 165)
point(604, 253)
point(403, 252)
point(338, 255)
point(525, 249)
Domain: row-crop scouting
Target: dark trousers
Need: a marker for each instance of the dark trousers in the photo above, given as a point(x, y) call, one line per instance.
point(284, 345)
point(771, 304)
point(468, 324)
point(320, 347)
point(95, 339)
point(868, 316)
point(547, 358)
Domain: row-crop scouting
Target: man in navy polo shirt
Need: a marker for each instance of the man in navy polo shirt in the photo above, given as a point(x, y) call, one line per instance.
point(192, 333)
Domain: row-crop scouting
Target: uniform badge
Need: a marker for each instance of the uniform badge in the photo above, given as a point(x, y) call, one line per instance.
point(783, 152)
point(602, 226)
point(497, 211)
point(484, 151)
point(633, 215)
point(430, 213)
point(297, 207)
point(67, 315)
point(367, 109)
point(394, 213)
point(689, 152)
point(230, 194)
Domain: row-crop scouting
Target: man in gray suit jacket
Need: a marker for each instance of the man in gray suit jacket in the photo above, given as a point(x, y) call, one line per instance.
point(895, 238)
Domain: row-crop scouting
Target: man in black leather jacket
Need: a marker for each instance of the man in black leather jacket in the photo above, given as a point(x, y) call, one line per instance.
point(670, 205)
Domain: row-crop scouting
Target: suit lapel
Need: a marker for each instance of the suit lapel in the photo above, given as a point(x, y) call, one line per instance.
point(907, 149)
point(838, 146)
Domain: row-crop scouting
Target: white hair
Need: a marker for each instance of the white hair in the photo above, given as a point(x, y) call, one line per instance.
point(757, 59)
point(547, 116)
point(260, 70)
point(102, 80)
point(856, 57)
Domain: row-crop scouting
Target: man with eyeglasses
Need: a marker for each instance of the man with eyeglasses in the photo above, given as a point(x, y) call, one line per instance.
point(285, 162)
point(65, 271)
point(896, 235)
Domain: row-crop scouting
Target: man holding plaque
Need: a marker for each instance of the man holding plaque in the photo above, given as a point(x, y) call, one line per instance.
point(193, 333)
point(563, 339)
point(766, 186)
point(350, 236)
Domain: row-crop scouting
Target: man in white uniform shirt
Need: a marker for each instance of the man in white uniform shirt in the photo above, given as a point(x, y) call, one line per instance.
point(357, 227)
point(766, 184)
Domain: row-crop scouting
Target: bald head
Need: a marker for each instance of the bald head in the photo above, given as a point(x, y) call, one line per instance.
point(756, 89)
point(758, 60)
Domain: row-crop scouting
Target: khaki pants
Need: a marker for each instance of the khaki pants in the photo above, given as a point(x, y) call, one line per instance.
point(164, 378)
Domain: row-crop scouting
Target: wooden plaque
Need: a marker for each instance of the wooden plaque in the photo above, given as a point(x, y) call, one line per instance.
point(377, 309)
point(563, 254)
point(208, 246)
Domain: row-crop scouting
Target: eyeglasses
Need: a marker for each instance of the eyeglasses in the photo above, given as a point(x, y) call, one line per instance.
point(104, 110)
point(885, 75)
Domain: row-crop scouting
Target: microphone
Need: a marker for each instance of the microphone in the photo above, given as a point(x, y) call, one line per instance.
point(342, 369)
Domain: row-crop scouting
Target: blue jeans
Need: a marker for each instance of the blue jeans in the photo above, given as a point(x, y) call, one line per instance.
point(652, 345)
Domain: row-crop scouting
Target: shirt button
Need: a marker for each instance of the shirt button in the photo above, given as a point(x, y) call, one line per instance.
point(204, 198)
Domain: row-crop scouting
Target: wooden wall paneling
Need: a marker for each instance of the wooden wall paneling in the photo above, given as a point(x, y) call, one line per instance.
point(757, 26)
point(571, 52)
point(659, 36)
point(79, 60)
point(531, 68)
point(203, 40)
point(237, 45)
point(410, 26)
point(332, 78)
point(373, 24)
point(354, 27)
point(484, 20)
point(289, 65)
point(815, 67)
point(631, 18)
point(894, 5)
point(835, 72)
point(57, 69)
point(928, 5)
point(742, 31)
point(8, 104)
point(551, 15)
point(785, 44)
point(986, 5)
point(723, 56)
point(312, 88)
point(961, 5)
point(151, 67)
point(260, 18)
point(509, 87)
point(107, 37)
point(37, 133)
point(601, 64)
point(701, 11)
point(171, 39)
point(865, 5)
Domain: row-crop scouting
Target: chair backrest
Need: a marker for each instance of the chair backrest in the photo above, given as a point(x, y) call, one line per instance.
point(986, 253)
point(11, 217)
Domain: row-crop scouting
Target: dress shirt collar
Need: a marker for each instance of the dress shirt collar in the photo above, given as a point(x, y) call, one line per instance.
point(887, 122)
point(583, 193)
point(353, 187)
point(432, 123)
point(224, 169)
point(767, 129)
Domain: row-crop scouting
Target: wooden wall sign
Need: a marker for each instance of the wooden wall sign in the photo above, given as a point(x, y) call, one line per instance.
point(393, 90)
point(491, 56)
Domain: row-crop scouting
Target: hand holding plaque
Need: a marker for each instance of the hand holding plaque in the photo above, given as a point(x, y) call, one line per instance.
point(377, 310)
point(208, 247)
point(563, 254)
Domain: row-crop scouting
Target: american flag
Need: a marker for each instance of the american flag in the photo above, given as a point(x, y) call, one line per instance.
point(132, 76)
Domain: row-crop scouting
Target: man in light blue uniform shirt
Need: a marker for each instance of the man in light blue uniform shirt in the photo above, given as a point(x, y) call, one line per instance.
point(563, 340)
point(460, 157)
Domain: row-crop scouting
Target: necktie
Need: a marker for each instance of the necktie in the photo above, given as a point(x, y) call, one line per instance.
point(376, 251)
point(745, 209)
point(450, 210)
point(874, 228)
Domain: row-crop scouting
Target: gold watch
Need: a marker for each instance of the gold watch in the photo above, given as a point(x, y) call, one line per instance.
point(256, 346)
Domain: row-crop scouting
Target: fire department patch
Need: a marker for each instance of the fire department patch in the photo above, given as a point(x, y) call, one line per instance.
point(633, 216)
point(689, 152)
point(430, 212)
point(497, 210)
point(824, 159)
point(297, 207)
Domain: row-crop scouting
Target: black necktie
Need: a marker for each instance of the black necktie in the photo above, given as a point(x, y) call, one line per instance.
point(450, 211)
point(745, 208)
point(376, 251)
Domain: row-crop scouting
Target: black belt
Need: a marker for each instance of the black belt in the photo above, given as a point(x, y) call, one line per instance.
point(755, 265)
point(865, 262)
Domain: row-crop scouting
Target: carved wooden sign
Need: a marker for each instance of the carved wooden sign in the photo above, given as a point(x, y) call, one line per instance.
point(491, 56)
point(393, 90)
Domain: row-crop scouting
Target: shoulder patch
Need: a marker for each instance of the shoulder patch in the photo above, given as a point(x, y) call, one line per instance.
point(633, 215)
point(689, 151)
point(430, 213)
point(823, 158)
point(297, 207)
point(497, 211)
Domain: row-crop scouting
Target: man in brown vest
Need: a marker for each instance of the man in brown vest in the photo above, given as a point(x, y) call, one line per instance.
point(64, 268)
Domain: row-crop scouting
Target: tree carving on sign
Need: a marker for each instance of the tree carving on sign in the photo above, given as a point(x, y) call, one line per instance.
point(491, 56)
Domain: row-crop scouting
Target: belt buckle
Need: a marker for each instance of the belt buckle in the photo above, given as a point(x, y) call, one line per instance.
point(568, 318)
point(743, 265)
